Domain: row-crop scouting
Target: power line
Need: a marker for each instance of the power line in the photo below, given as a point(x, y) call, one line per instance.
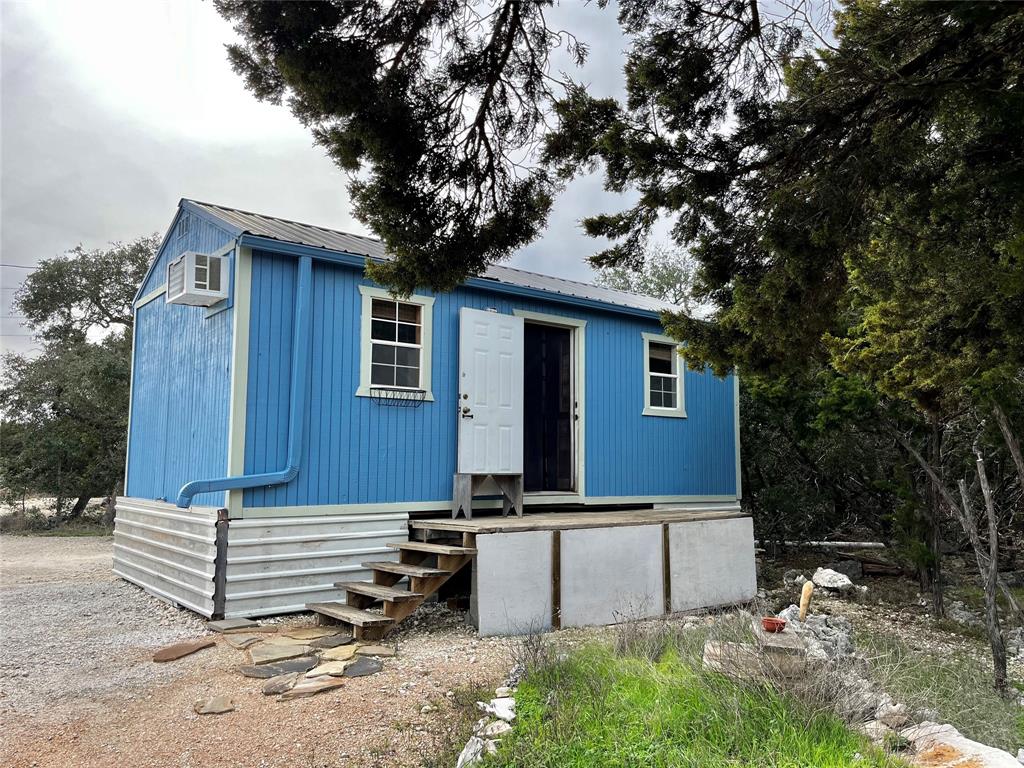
point(20, 266)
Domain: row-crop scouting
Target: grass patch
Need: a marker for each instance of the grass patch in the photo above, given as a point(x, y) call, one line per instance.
point(957, 686)
point(602, 706)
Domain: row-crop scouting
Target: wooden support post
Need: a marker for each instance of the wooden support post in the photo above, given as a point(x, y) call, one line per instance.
point(220, 563)
point(462, 496)
point(465, 487)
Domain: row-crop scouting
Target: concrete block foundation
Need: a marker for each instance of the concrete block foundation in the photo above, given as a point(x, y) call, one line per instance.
point(538, 580)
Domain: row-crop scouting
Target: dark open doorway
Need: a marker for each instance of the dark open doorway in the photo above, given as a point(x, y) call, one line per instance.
point(548, 418)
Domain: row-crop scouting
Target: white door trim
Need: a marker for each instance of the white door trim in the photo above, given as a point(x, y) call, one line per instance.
point(579, 380)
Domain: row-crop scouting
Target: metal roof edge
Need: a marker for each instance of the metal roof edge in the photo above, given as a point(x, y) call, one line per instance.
point(480, 283)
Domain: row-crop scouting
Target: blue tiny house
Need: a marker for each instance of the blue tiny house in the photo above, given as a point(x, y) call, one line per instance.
point(288, 417)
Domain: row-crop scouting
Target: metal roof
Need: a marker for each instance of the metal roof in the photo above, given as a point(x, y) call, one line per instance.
point(319, 237)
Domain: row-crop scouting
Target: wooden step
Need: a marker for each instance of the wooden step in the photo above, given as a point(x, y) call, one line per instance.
point(402, 569)
point(350, 615)
point(378, 591)
point(434, 549)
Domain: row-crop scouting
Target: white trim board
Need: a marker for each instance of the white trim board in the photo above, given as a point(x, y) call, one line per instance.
point(679, 412)
point(156, 293)
point(131, 396)
point(319, 510)
point(579, 383)
point(239, 375)
point(369, 293)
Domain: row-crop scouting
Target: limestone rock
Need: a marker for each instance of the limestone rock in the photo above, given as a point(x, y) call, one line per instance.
point(494, 729)
point(375, 650)
point(793, 578)
point(341, 653)
point(503, 708)
point(893, 715)
point(333, 668)
point(363, 666)
point(264, 671)
point(961, 614)
point(931, 739)
point(177, 650)
point(267, 653)
point(308, 633)
point(858, 700)
point(312, 687)
point(284, 640)
point(826, 578)
point(280, 683)
point(230, 625)
point(876, 731)
point(471, 753)
point(502, 691)
point(850, 568)
point(331, 641)
point(218, 705)
point(242, 641)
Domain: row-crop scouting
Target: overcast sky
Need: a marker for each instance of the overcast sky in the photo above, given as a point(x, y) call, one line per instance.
point(112, 111)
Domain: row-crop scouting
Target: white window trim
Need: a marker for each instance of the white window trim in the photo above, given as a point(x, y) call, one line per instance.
point(370, 293)
point(679, 412)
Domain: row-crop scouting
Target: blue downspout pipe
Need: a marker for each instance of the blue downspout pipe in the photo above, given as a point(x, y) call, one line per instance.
point(301, 340)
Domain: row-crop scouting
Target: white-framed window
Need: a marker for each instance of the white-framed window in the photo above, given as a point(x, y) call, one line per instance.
point(664, 377)
point(395, 343)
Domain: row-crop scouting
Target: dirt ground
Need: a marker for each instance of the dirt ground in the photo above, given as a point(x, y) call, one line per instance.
point(78, 687)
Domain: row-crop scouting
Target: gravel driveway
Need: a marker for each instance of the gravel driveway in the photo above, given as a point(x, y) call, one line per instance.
point(78, 686)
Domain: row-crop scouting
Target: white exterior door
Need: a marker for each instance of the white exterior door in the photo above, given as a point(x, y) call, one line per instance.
point(490, 393)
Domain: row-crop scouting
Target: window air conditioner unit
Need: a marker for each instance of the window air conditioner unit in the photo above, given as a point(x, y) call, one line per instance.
point(197, 279)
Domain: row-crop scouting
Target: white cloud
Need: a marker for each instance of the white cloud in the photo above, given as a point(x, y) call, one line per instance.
point(112, 110)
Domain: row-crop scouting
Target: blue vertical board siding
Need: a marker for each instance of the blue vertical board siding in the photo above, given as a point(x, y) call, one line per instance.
point(181, 384)
point(180, 401)
point(360, 452)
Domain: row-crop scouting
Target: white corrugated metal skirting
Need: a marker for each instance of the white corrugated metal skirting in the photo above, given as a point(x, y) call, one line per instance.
point(167, 551)
point(277, 565)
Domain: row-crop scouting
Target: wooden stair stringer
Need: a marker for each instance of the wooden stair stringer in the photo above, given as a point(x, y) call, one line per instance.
point(424, 581)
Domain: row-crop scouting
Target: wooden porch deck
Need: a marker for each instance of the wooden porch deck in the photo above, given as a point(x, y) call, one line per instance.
point(562, 521)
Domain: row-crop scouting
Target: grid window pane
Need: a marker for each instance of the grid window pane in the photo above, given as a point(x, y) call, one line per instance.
point(408, 356)
point(382, 375)
point(384, 353)
point(668, 399)
point(662, 383)
point(215, 275)
point(407, 377)
point(656, 401)
point(409, 313)
point(408, 334)
point(382, 330)
point(384, 309)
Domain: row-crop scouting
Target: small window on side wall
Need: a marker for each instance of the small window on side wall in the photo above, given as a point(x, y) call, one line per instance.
point(395, 344)
point(664, 377)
